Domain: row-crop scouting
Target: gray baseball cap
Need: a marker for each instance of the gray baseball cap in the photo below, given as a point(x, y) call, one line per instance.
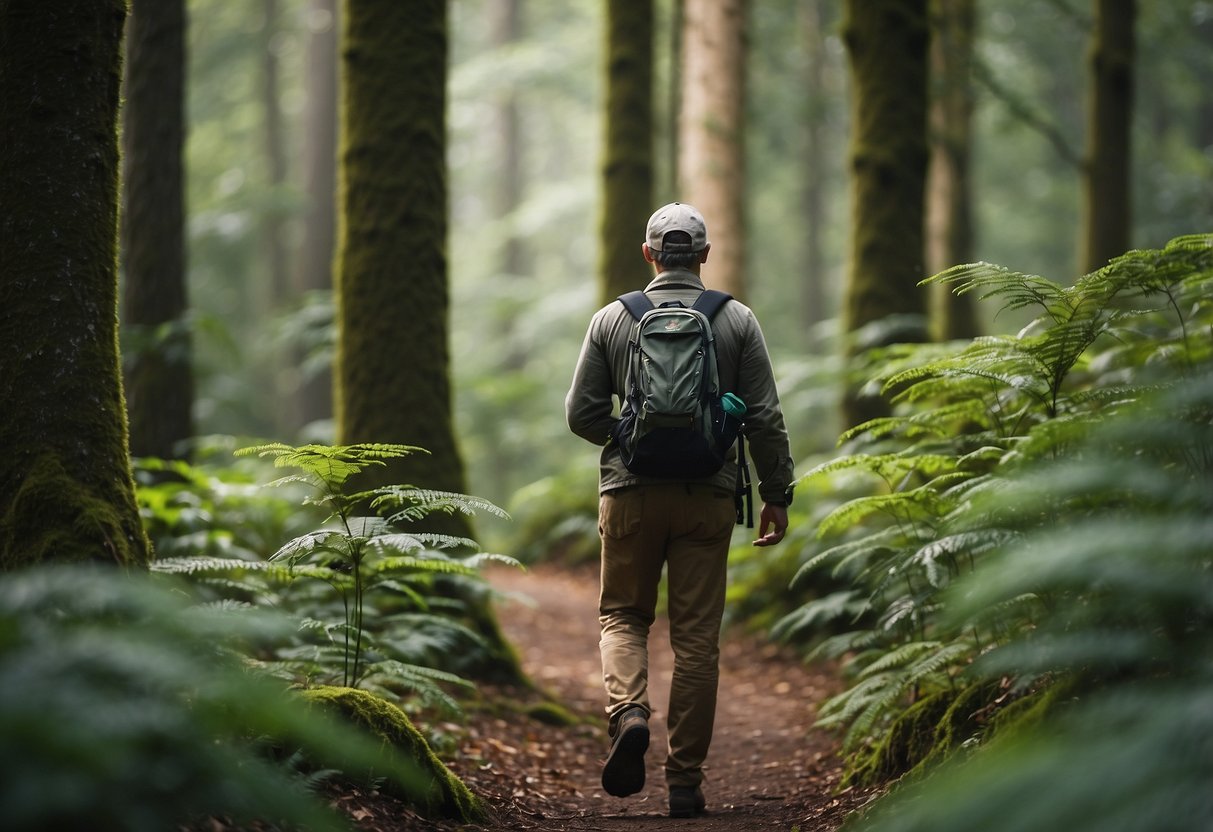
point(677, 216)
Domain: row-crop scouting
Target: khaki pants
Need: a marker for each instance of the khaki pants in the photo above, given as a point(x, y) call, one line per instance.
point(687, 528)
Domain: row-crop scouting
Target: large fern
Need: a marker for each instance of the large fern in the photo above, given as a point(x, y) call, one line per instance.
point(970, 424)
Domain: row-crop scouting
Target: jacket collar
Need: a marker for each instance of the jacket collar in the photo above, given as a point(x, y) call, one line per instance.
point(675, 277)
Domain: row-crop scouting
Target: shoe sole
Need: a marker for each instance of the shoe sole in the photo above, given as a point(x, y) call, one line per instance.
point(623, 773)
point(687, 811)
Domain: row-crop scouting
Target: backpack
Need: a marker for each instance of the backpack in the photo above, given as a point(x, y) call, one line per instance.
point(673, 421)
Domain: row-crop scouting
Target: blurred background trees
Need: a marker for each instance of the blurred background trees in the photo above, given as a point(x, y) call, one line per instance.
point(527, 121)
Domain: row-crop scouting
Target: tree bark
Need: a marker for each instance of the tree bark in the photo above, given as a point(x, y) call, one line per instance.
point(712, 133)
point(949, 185)
point(159, 371)
point(66, 490)
point(887, 48)
point(393, 357)
point(314, 271)
point(627, 165)
point(1108, 163)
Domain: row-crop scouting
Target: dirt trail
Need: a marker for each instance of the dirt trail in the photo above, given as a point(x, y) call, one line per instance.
point(767, 768)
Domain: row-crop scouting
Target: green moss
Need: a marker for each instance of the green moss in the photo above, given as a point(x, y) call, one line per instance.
point(53, 516)
point(441, 794)
point(926, 733)
point(552, 713)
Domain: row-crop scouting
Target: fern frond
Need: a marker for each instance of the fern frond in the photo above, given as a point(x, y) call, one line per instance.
point(479, 559)
point(844, 604)
point(906, 506)
point(435, 566)
point(900, 657)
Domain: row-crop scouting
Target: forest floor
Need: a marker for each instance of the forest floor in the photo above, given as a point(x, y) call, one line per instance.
point(767, 770)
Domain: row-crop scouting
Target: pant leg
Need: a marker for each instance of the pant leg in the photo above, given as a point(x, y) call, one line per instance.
point(697, 558)
point(633, 531)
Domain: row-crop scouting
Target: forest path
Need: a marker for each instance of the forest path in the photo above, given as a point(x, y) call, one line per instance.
point(767, 769)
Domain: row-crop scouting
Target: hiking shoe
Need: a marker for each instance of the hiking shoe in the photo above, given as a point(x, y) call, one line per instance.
point(624, 771)
point(686, 801)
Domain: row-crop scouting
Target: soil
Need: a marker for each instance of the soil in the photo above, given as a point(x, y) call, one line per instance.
point(768, 768)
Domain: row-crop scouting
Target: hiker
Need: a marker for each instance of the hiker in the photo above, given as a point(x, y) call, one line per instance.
point(682, 522)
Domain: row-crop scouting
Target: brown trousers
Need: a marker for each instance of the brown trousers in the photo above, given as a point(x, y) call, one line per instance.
point(687, 529)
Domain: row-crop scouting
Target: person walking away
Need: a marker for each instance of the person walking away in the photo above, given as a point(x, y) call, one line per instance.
point(683, 523)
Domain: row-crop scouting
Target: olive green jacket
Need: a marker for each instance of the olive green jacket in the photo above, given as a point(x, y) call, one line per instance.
point(745, 370)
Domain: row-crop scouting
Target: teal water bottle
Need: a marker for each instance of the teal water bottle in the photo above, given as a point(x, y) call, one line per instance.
point(733, 406)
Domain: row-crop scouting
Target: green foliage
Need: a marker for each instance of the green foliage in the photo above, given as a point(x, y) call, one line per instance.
point(123, 705)
point(1037, 504)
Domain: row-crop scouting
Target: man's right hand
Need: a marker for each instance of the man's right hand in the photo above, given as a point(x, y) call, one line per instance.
point(774, 518)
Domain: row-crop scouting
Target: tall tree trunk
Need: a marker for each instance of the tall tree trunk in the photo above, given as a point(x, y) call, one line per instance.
point(314, 270)
point(711, 170)
point(506, 27)
point(159, 372)
point(66, 490)
point(1109, 122)
point(393, 357)
point(949, 186)
point(887, 46)
point(813, 304)
point(393, 361)
point(275, 158)
point(627, 165)
point(275, 285)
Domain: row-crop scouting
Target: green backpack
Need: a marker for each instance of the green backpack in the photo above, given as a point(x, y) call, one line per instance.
point(674, 422)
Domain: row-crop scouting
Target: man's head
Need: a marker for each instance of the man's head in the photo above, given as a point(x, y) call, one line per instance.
point(676, 237)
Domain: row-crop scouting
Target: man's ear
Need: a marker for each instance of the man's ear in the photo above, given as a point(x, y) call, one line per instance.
point(703, 255)
point(648, 253)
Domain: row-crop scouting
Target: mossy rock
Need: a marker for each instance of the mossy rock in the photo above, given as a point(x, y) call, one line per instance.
point(552, 713)
point(440, 793)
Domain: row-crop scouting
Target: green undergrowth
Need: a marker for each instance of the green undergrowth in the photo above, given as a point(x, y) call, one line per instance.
point(1021, 549)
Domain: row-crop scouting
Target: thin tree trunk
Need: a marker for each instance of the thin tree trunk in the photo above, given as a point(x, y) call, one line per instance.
point(627, 166)
point(159, 374)
point(949, 185)
point(712, 130)
point(1109, 158)
point(275, 160)
point(506, 26)
point(813, 305)
point(887, 46)
point(66, 490)
point(313, 274)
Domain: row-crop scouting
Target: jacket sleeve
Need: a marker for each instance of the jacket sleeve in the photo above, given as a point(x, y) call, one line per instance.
point(588, 407)
point(765, 430)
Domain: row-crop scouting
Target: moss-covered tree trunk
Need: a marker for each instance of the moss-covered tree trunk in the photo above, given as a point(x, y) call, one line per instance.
point(627, 164)
point(1108, 159)
point(314, 269)
point(393, 358)
point(886, 44)
point(66, 491)
point(159, 371)
point(711, 148)
point(949, 185)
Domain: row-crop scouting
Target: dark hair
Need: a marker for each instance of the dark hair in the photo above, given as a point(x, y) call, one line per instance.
point(676, 253)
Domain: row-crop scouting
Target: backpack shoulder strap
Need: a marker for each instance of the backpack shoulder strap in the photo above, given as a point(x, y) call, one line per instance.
point(637, 303)
point(710, 301)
